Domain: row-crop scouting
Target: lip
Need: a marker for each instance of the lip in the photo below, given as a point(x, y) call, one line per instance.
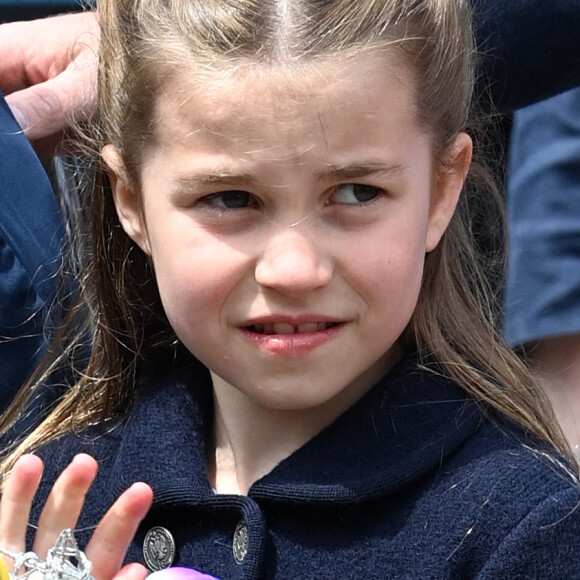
point(291, 336)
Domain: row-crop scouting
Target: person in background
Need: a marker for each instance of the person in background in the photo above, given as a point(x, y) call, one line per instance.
point(47, 72)
point(32, 230)
point(31, 233)
point(542, 297)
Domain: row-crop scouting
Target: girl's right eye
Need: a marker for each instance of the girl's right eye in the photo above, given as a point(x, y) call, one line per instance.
point(230, 200)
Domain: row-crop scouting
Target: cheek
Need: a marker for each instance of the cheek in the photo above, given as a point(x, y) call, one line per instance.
point(195, 275)
point(391, 264)
point(393, 289)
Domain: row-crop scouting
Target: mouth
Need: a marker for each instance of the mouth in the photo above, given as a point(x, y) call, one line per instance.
point(285, 328)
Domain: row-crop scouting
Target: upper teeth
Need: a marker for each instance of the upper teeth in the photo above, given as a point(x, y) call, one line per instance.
point(284, 328)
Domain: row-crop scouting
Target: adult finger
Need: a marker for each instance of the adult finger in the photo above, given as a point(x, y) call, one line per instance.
point(32, 52)
point(65, 501)
point(26, 54)
point(114, 533)
point(49, 107)
point(17, 496)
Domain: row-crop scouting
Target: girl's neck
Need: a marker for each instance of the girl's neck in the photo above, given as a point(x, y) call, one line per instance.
point(241, 453)
point(249, 440)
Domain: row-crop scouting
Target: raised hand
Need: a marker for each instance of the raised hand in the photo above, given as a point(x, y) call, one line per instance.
point(109, 542)
point(48, 72)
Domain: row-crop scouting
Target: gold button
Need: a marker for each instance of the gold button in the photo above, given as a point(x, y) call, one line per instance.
point(241, 542)
point(158, 549)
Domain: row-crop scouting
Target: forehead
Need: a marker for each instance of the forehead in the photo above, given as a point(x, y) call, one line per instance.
point(291, 107)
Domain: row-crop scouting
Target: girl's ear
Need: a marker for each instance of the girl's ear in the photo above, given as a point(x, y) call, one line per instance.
point(126, 199)
point(448, 186)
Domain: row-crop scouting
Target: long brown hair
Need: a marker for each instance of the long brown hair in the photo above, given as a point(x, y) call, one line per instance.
point(143, 43)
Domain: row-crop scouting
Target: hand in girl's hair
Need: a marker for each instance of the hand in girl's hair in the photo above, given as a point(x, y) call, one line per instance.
point(109, 541)
point(48, 72)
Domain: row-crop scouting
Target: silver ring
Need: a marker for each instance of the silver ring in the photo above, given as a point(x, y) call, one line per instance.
point(58, 564)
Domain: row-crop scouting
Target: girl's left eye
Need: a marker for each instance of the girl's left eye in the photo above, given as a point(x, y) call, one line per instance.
point(355, 193)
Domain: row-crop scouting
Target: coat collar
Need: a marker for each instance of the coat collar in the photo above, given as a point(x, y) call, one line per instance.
point(403, 428)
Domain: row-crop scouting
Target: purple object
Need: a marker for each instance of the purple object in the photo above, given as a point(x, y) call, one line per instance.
point(179, 574)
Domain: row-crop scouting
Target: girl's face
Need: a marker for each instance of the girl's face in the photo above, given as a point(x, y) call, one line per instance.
point(287, 218)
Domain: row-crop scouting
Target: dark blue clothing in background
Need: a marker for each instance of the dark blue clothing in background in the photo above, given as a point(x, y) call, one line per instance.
point(29, 9)
point(31, 233)
point(413, 482)
point(529, 49)
point(542, 297)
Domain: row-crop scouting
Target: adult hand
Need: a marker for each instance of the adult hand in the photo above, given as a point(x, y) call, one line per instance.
point(48, 72)
point(110, 540)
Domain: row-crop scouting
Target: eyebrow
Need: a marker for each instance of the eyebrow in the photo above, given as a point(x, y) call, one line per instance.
point(331, 172)
point(224, 177)
point(338, 172)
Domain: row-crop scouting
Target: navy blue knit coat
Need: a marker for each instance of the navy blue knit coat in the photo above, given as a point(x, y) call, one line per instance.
point(413, 481)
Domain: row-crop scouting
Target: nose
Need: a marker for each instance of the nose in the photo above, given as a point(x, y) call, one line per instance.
point(293, 263)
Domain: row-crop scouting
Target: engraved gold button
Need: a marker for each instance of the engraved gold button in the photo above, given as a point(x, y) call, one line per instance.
point(241, 542)
point(158, 549)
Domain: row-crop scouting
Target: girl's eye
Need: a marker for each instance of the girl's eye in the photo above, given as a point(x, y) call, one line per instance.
point(355, 193)
point(233, 199)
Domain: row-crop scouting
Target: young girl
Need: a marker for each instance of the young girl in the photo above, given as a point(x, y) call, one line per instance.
point(293, 343)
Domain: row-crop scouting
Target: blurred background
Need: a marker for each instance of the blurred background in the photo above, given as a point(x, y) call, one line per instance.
point(30, 9)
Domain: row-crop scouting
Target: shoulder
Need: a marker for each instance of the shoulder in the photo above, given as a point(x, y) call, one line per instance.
point(501, 460)
point(162, 397)
point(498, 502)
point(30, 235)
point(543, 542)
point(544, 509)
point(514, 506)
point(163, 430)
